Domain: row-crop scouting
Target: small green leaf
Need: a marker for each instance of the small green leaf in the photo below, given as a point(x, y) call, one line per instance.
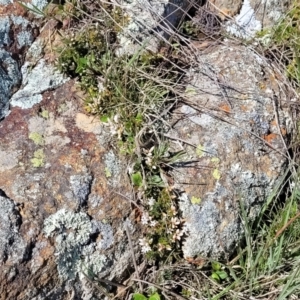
point(104, 118)
point(155, 297)
point(216, 266)
point(137, 179)
point(195, 200)
point(156, 180)
point(215, 276)
point(138, 296)
point(222, 274)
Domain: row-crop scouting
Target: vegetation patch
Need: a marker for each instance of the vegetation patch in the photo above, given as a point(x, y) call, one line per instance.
point(129, 93)
point(283, 42)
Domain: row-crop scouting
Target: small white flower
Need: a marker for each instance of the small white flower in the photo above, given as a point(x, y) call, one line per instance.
point(174, 211)
point(116, 118)
point(144, 245)
point(177, 235)
point(151, 201)
point(174, 222)
point(146, 249)
point(148, 161)
point(150, 151)
point(145, 218)
point(161, 247)
point(153, 223)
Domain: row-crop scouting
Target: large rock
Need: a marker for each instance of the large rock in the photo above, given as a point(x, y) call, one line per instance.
point(236, 119)
point(62, 215)
point(18, 30)
point(150, 21)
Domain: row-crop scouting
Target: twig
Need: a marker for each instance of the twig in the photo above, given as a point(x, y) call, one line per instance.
point(99, 288)
point(279, 232)
point(133, 257)
point(163, 289)
point(129, 199)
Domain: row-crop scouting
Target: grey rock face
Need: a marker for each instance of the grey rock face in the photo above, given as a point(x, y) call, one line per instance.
point(12, 247)
point(10, 78)
point(238, 127)
point(16, 36)
point(36, 81)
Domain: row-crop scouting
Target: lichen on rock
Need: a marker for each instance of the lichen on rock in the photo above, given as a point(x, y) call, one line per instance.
point(229, 119)
point(35, 81)
point(72, 232)
point(12, 246)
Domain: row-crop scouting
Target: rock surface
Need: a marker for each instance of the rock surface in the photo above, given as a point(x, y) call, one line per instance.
point(233, 104)
point(150, 21)
point(226, 7)
point(64, 191)
point(61, 214)
point(249, 16)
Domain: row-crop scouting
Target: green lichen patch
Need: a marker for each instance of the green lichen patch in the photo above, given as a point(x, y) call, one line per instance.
point(45, 114)
point(38, 158)
point(216, 174)
point(196, 200)
point(37, 138)
point(200, 150)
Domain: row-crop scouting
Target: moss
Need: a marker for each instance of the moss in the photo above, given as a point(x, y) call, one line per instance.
point(37, 138)
point(38, 158)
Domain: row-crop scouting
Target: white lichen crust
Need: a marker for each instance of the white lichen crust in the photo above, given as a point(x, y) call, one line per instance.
point(71, 232)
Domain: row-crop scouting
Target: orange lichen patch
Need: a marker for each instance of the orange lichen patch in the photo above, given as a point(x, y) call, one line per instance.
point(47, 252)
point(262, 85)
point(283, 131)
point(244, 108)
point(274, 123)
point(196, 261)
point(14, 8)
point(270, 137)
point(225, 107)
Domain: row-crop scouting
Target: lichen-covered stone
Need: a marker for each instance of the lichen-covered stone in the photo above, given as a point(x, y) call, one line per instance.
point(150, 21)
point(226, 8)
point(72, 233)
point(12, 247)
point(234, 102)
point(10, 78)
point(35, 81)
point(53, 167)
